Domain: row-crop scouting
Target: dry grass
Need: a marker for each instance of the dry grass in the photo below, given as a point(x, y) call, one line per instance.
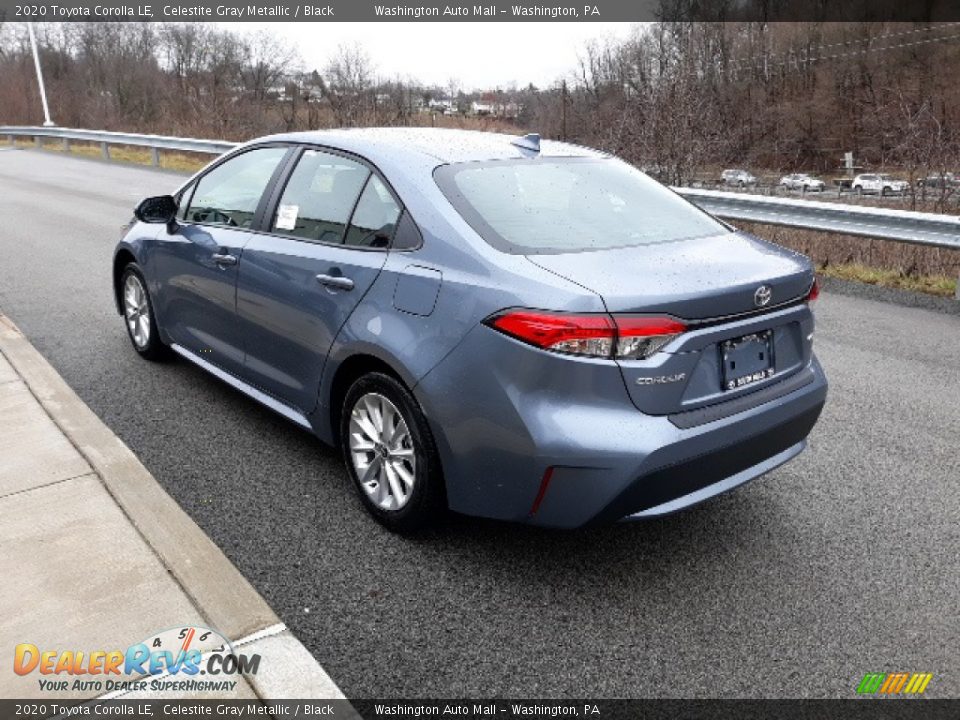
point(177, 161)
point(930, 284)
point(877, 262)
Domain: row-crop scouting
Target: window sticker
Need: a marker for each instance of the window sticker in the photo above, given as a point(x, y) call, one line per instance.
point(287, 217)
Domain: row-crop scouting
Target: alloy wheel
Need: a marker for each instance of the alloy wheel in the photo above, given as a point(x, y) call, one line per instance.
point(382, 451)
point(136, 310)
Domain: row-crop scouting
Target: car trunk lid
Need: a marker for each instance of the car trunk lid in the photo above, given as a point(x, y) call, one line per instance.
point(726, 288)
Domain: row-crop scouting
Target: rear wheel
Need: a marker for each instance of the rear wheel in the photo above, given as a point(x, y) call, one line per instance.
point(138, 315)
point(390, 453)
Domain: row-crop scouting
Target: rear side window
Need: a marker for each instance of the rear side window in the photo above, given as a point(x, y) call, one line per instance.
point(563, 205)
point(230, 193)
point(375, 219)
point(319, 197)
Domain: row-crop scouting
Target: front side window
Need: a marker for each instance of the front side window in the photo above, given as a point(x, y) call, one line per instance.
point(319, 197)
point(375, 218)
point(229, 194)
point(568, 205)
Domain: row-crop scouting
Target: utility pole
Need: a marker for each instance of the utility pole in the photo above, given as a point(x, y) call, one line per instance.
point(43, 90)
point(563, 111)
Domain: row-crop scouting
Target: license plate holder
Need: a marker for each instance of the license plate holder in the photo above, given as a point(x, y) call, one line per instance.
point(746, 360)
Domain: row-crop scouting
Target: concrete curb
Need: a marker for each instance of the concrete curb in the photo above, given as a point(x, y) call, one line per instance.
point(223, 596)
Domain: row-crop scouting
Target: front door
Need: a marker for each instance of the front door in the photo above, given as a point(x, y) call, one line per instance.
point(298, 283)
point(197, 264)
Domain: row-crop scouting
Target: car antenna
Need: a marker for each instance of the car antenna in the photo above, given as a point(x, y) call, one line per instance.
point(531, 141)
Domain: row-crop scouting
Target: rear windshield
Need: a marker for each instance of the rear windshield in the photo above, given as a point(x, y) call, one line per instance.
point(569, 205)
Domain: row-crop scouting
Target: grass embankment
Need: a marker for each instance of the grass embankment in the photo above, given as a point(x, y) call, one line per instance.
point(886, 263)
point(930, 284)
point(177, 161)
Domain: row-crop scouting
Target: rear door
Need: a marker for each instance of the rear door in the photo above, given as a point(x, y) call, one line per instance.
point(326, 234)
point(197, 264)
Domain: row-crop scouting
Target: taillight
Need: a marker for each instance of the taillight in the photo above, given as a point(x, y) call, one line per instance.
point(577, 334)
point(814, 291)
point(594, 335)
point(641, 336)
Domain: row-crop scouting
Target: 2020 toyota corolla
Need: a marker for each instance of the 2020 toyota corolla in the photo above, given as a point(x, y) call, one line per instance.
point(515, 329)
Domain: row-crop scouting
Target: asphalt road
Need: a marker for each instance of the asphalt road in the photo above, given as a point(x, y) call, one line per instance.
point(845, 561)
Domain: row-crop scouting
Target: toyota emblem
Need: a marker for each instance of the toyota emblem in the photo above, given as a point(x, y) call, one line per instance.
point(762, 295)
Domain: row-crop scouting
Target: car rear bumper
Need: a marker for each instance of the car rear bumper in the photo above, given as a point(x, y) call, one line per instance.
point(525, 447)
point(697, 465)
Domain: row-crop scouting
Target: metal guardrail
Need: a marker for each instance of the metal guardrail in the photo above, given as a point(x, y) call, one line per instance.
point(882, 223)
point(155, 143)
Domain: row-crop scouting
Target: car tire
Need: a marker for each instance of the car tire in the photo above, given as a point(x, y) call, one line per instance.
point(138, 315)
point(400, 454)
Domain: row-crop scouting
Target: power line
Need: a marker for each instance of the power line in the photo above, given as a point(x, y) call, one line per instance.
point(767, 64)
point(902, 33)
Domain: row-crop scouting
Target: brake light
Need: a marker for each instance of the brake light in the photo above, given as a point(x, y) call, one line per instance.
point(594, 335)
point(577, 334)
point(814, 291)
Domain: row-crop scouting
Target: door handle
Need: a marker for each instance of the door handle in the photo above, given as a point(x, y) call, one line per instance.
point(224, 259)
point(335, 281)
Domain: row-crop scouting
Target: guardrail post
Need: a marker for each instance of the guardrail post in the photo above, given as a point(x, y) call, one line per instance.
point(956, 293)
point(155, 157)
point(66, 145)
point(105, 150)
point(38, 141)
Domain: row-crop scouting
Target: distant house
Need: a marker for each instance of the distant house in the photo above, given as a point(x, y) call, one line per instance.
point(481, 108)
point(496, 108)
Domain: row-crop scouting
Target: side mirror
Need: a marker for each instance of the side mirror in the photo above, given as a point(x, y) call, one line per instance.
point(160, 209)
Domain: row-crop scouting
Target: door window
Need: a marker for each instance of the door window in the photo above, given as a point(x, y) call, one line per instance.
point(375, 218)
point(230, 193)
point(319, 197)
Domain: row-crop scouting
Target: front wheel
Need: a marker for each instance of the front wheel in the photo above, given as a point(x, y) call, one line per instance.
point(138, 315)
point(390, 453)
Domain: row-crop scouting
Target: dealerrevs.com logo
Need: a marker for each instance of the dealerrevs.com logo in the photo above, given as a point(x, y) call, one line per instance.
point(189, 658)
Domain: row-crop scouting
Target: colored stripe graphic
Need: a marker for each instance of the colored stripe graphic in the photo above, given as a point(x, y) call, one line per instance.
point(871, 683)
point(894, 683)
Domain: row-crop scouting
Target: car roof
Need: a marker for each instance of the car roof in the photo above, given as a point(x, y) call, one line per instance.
point(438, 145)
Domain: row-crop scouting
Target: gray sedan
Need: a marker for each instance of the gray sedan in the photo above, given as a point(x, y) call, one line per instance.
point(500, 326)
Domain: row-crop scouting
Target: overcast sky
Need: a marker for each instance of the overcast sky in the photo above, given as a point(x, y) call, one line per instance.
point(478, 55)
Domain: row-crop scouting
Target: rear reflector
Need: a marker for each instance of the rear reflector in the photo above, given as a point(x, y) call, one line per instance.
point(594, 335)
point(541, 493)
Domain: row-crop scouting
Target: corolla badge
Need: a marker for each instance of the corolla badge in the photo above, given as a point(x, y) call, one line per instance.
point(762, 295)
point(660, 379)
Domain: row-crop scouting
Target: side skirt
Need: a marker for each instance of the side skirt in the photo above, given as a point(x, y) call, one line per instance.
point(261, 397)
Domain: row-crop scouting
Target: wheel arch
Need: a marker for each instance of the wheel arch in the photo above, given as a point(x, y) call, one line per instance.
point(121, 258)
point(348, 371)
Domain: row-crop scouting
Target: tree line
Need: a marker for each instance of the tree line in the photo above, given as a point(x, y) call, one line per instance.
point(680, 99)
